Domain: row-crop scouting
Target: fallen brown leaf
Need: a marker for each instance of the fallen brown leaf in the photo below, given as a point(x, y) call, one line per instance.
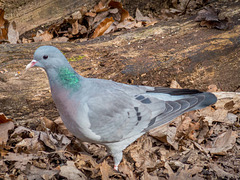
point(106, 170)
point(209, 17)
point(223, 143)
point(70, 171)
point(102, 27)
point(38, 173)
point(5, 126)
point(126, 168)
point(75, 28)
point(46, 36)
point(3, 27)
point(62, 128)
point(13, 35)
point(124, 13)
point(3, 118)
point(221, 173)
point(2, 20)
point(91, 14)
point(165, 134)
point(140, 17)
point(100, 7)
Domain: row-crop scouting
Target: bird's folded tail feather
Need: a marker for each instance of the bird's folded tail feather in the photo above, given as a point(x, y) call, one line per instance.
point(175, 108)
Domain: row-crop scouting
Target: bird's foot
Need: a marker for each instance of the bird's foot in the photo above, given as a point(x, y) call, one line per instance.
point(116, 167)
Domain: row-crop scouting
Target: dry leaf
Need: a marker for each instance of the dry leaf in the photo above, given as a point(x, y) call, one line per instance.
point(126, 168)
point(60, 39)
point(4, 128)
point(42, 36)
point(62, 128)
point(100, 7)
point(223, 143)
point(106, 170)
point(140, 17)
point(53, 141)
point(70, 171)
point(47, 123)
point(13, 35)
point(165, 134)
point(100, 17)
point(3, 118)
point(46, 36)
point(75, 28)
point(86, 162)
point(127, 24)
point(147, 176)
point(39, 173)
point(3, 27)
point(76, 15)
point(29, 145)
point(91, 14)
point(207, 14)
point(102, 27)
point(174, 84)
point(221, 173)
point(2, 20)
point(124, 13)
point(209, 17)
point(213, 88)
point(20, 161)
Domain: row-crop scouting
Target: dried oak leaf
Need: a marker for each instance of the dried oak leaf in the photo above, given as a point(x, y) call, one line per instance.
point(3, 27)
point(3, 118)
point(87, 164)
point(4, 128)
point(140, 17)
point(106, 170)
point(39, 173)
point(2, 20)
point(100, 7)
point(221, 173)
point(70, 171)
point(75, 28)
point(91, 14)
point(209, 17)
point(165, 134)
point(143, 153)
point(5, 125)
point(223, 143)
point(20, 160)
point(43, 36)
point(207, 14)
point(13, 35)
point(126, 168)
point(102, 27)
point(124, 13)
point(62, 128)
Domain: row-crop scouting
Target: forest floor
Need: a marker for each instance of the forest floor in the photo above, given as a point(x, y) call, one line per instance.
point(203, 144)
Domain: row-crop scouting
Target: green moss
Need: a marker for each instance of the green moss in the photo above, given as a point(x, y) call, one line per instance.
point(75, 58)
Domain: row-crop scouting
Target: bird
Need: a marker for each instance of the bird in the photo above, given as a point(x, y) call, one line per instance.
point(111, 113)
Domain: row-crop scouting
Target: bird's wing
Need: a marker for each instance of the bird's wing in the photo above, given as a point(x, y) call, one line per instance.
point(116, 115)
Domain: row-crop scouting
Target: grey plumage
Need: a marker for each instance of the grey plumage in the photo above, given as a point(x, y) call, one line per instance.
point(111, 113)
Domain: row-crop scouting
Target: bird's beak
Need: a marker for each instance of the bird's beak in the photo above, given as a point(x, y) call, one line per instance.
point(31, 64)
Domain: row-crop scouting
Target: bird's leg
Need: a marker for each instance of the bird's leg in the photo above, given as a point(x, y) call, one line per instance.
point(117, 157)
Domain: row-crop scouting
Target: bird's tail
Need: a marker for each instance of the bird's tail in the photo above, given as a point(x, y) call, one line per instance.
point(184, 103)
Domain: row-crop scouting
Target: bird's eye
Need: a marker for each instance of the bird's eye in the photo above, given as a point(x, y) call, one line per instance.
point(45, 57)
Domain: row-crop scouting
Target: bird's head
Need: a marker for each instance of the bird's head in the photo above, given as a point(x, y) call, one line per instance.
point(48, 57)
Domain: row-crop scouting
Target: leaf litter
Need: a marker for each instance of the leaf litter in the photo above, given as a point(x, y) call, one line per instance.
point(105, 17)
point(193, 146)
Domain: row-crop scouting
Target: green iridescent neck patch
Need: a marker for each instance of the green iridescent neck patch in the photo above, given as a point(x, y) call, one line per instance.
point(69, 79)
